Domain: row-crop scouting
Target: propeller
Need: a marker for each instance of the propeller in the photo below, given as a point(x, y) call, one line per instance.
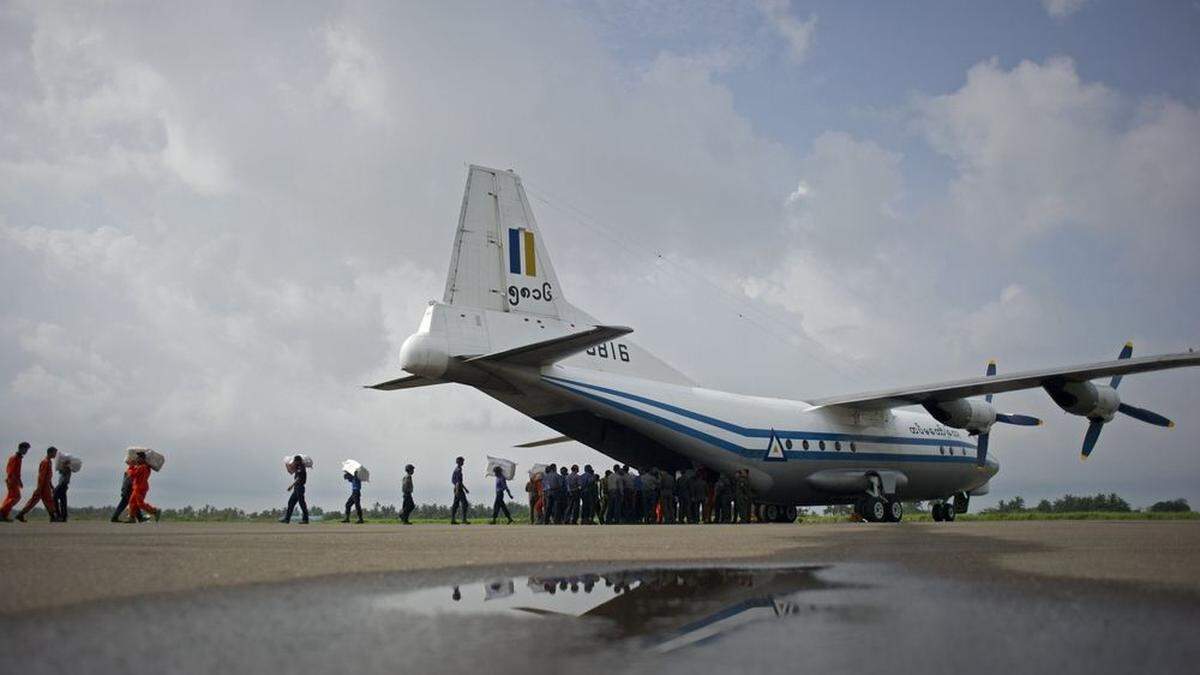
point(981, 445)
point(1141, 414)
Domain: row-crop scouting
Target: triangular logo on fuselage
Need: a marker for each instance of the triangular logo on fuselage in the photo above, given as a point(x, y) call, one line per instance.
point(775, 451)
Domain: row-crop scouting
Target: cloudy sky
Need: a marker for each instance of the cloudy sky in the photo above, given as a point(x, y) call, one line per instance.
point(217, 222)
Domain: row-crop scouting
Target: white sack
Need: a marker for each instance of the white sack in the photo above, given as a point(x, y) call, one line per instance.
point(357, 470)
point(507, 467)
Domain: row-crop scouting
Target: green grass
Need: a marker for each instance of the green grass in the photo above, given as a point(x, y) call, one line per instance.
point(1028, 515)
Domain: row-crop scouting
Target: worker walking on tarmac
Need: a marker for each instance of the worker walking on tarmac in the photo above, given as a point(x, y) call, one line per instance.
point(460, 493)
point(126, 491)
point(140, 477)
point(501, 490)
point(574, 495)
point(615, 496)
point(60, 491)
point(355, 499)
point(297, 489)
point(406, 490)
point(43, 492)
point(12, 481)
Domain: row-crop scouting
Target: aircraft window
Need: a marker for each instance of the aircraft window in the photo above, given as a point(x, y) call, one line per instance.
point(788, 444)
point(853, 448)
point(941, 450)
point(837, 445)
point(821, 445)
point(804, 444)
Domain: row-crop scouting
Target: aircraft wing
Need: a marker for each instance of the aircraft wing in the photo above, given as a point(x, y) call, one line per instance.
point(408, 382)
point(555, 349)
point(1030, 379)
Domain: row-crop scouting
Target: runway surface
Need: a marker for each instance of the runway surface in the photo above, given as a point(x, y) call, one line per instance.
point(990, 596)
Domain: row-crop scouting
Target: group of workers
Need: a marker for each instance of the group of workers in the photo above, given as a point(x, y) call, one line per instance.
point(134, 488)
point(558, 495)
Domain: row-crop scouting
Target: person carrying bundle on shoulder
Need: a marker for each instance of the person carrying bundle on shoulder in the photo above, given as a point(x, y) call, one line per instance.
point(355, 499)
point(297, 488)
point(140, 476)
point(501, 490)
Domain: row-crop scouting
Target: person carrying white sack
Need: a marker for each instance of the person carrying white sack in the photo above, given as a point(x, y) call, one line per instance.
point(298, 466)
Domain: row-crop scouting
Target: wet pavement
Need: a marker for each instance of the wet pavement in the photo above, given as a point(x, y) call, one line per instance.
point(776, 617)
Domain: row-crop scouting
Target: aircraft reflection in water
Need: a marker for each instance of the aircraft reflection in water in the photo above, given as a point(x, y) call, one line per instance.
point(668, 608)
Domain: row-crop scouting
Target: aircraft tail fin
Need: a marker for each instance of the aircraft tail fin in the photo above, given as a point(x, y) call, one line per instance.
point(500, 261)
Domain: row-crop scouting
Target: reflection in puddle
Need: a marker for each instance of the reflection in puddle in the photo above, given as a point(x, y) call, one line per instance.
point(664, 608)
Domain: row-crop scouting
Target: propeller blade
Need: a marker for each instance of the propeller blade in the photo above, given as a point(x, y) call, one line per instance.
point(1126, 352)
point(1090, 438)
point(981, 447)
point(1147, 416)
point(991, 371)
point(1019, 420)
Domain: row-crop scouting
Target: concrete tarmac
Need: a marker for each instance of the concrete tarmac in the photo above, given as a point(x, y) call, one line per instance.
point(980, 597)
point(91, 561)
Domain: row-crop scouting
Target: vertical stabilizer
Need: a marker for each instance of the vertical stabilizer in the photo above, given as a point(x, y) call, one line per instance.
point(500, 261)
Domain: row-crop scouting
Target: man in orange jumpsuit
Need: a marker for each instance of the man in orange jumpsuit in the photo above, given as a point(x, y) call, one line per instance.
point(141, 487)
point(12, 480)
point(44, 492)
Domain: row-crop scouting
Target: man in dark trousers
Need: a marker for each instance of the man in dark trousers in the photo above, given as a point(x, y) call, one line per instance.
point(406, 489)
point(42, 492)
point(355, 499)
point(126, 491)
point(12, 481)
point(460, 493)
point(60, 491)
point(587, 507)
point(501, 490)
point(297, 490)
point(574, 495)
point(549, 494)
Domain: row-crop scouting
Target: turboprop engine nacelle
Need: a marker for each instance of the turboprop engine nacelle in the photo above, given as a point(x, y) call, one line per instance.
point(1093, 401)
point(427, 352)
point(961, 413)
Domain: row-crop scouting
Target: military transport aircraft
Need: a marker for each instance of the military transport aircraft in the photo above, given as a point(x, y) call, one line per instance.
point(505, 328)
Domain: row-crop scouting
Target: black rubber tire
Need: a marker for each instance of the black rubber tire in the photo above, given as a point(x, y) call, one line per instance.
point(937, 514)
point(758, 513)
point(876, 510)
point(790, 514)
point(948, 513)
point(895, 510)
point(770, 513)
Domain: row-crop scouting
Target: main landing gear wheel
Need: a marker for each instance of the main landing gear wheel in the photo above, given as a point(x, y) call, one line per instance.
point(948, 513)
point(939, 512)
point(895, 510)
point(874, 510)
point(790, 513)
point(771, 513)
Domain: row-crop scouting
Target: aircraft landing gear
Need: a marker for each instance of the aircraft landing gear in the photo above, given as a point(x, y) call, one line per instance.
point(774, 513)
point(943, 512)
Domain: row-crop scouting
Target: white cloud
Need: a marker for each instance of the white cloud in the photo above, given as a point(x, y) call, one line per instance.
point(1061, 9)
point(798, 34)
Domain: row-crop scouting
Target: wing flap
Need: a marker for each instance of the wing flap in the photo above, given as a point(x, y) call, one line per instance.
point(1030, 379)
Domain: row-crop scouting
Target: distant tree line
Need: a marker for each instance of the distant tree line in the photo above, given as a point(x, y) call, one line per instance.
point(1102, 503)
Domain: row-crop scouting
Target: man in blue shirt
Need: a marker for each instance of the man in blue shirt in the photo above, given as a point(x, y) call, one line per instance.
point(460, 493)
point(355, 499)
point(588, 495)
point(501, 489)
point(574, 493)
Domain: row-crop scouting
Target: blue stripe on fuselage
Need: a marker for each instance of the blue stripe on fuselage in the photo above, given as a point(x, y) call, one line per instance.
point(756, 452)
point(765, 433)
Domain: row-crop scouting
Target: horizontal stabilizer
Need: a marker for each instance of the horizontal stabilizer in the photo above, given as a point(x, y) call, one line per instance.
point(556, 349)
point(545, 441)
point(409, 382)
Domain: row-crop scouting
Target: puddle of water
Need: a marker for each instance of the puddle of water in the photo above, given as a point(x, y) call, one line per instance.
point(661, 609)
